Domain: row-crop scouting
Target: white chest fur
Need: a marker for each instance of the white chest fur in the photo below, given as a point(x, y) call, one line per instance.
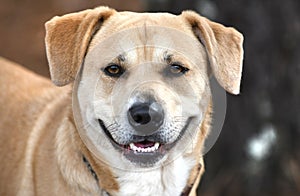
point(167, 180)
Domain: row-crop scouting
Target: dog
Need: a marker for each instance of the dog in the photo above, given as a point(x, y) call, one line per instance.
point(132, 110)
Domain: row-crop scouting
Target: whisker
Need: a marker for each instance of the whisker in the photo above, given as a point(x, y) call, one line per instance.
point(111, 125)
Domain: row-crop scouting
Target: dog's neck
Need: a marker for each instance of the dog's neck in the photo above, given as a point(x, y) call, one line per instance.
point(162, 181)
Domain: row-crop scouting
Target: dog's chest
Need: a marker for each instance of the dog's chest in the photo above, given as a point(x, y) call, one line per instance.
point(169, 180)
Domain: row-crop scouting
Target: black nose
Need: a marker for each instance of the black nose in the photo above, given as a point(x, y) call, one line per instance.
point(146, 118)
point(140, 114)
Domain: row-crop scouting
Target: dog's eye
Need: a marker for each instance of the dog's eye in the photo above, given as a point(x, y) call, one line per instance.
point(113, 70)
point(177, 69)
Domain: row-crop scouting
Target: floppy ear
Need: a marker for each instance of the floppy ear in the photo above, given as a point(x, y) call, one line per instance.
point(224, 49)
point(67, 40)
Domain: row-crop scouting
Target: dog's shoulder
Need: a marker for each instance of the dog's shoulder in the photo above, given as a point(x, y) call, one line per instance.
point(18, 84)
point(29, 107)
point(14, 77)
point(24, 93)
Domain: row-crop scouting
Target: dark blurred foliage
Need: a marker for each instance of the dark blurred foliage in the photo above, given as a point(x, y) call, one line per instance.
point(258, 150)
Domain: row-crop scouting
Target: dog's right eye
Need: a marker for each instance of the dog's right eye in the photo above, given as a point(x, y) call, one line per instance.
point(114, 70)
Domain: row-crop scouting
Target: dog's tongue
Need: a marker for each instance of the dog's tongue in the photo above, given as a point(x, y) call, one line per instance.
point(144, 144)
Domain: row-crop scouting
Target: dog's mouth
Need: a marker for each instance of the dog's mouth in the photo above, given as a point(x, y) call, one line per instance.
point(144, 146)
point(144, 150)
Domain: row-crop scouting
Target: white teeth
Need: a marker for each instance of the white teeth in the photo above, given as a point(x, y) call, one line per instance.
point(132, 146)
point(148, 149)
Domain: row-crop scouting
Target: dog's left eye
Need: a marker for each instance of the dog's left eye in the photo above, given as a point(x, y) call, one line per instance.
point(114, 70)
point(177, 69)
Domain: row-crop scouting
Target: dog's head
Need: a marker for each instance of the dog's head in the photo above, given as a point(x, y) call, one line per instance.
point(141, 90)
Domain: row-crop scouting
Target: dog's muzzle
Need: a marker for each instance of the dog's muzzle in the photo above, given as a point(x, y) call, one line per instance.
point(146, 118)
point(149, 133)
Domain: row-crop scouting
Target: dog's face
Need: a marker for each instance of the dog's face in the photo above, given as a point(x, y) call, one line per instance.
point(148, 93)
point(142, 90)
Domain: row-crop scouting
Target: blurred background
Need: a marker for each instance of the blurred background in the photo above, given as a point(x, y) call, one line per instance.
point(258, 150)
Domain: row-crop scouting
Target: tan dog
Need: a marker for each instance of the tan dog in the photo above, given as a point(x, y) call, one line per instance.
point(137, 116)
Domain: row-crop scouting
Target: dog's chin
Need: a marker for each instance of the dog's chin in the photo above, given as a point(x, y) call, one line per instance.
point(144, 151)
